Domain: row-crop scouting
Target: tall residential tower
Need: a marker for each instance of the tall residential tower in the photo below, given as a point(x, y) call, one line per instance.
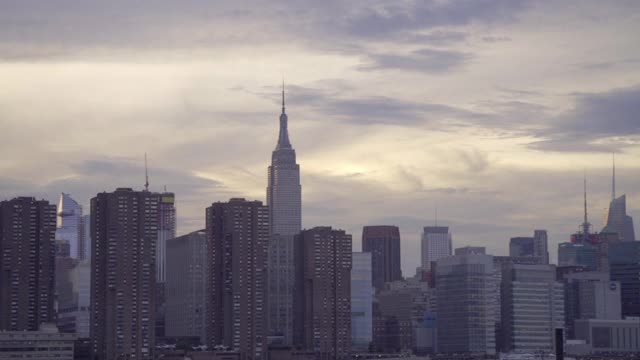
point(284, 202)
point(383, 242)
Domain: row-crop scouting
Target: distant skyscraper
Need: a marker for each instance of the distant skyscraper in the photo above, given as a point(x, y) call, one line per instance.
point(323, 292)
point(166, 231)
point(73, 288)
point(124, 230)
point(535, 246)
point(237, 240)
point(469, 250)
point(284, 202)
point(532, 307)
point(187, 268)
point(617, 218)
point(361, 301)
point(466, 304)
point(27, 261)
point(383, 242)
point(70, 223)
point(436, 244)
point(84, 243)
point(585, 255)
point(624, 266)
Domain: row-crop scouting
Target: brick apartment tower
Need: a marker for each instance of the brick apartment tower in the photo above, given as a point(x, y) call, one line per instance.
point(238, 236)
point(383, 242)
point(124, 231)
point(322, 292)
point(27, 261)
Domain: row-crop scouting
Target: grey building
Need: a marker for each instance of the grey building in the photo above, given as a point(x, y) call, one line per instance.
point(187, 271)
point(237, 240)
point(532, 307)
point(469, 250)
point(466, 304)
point(610, 335)
point(73, 292)
point(322, 296)
point(578, 254)
point(45, 343)
point(27, 263)
point(590, 295)
point(166, 231)
point(69, 224)
point(383, 242)
point(84, 242)
point(624, 266)
point(619, 221)
point(124, 230)
point(285, 221)
point(535, 246)
point(361, 302)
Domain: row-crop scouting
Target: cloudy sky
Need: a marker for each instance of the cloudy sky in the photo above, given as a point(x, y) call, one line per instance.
point(489, 110)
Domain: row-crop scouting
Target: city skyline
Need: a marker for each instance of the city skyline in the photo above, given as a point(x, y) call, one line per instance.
point(377, 146)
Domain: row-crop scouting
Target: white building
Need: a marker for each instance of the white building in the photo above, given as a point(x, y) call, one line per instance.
point(436, 244)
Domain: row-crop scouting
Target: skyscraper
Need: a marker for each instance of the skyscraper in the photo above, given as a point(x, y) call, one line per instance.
point(70, 223)
point(466, 304)
point(383, 242)
point(532, 307)
point(187, 268)
point(322, 296)
point(237, 240)
point(436, 244)
point(284, 202)
point(361, 301)
point(84, 242)
point(27, 261)
point(535, 246)
point(166, 231)
point(624, 266)
point(124, 230)
point(617, 218)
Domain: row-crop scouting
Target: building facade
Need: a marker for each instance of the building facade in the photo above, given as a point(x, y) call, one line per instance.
point(285, 221)
point(383, 242)
point(84, 243)
point(624, 266)
point(466, 304)
point(69, 224)
point(237, 241)
point(619, 221)
point(532, 308)
point(610, 336)
point(361, 302)
point(45, 343)
point(322, 295)
point(536, 246)
point(123, 280)
point(435, 244)
point(578, 254)
point(27, 263)
point(187, 272)
point(166, 231)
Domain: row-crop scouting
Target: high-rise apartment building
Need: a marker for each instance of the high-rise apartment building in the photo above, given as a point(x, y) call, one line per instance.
point(27, 263)
point(361, 301)
point(70, 223)
point(284, 202)
point(466, 304)
point(237, 241)
point(532, 307)
point(436, 244)
point(383, 242)
point(322, 296)
point(124, 230)
point(187, 273)
point(624, 266)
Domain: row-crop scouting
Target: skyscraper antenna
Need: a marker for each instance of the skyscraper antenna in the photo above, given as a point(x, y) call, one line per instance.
point(283, 94)
point(436, 215)
point(585, 224)
point(613, 180)
point(146, 174)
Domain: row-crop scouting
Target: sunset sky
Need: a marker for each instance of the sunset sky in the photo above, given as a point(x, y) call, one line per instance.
point(489, 110)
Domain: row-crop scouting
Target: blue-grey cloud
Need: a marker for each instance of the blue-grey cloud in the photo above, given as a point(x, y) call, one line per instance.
point(423, 60)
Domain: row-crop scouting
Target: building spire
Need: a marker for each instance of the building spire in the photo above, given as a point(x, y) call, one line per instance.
point(613, 180)
point(146, 174)
point(283, 95)
point(283, 137)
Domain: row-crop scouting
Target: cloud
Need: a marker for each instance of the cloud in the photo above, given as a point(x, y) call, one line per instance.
point(423, 60)
point(599, 122)
point(439, 37)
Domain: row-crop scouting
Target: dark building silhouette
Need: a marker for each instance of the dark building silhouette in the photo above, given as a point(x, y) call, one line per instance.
point(27, 263)
point(383, 242)
point(237, 240)
point(535, 246)
point(624, 266)
point(124, 231)
point(322, 292)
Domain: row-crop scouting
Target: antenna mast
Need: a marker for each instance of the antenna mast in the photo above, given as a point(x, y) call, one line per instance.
point(146, 174)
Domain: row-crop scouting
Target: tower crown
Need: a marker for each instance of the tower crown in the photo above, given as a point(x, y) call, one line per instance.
point(283, 137)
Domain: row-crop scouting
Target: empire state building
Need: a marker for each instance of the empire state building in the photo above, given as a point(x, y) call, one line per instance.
point(284, 201)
